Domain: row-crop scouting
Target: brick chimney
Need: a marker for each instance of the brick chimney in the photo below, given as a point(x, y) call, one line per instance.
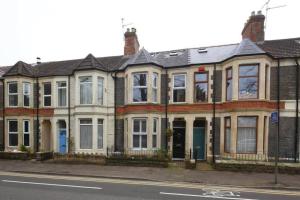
point(254, 27)
point(131, 42)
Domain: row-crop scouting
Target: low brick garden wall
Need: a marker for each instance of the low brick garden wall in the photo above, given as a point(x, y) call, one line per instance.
point(15, 155)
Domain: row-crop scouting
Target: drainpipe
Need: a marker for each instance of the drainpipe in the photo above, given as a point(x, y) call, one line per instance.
point(214, 113)
point(297, 110)
point(69, 116)
point(3, 115)
point(166, 106)
point(278, 123)
point(114, 76)
point(37, 114)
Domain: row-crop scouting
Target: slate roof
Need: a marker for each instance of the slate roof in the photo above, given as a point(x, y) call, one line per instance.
point(284, 48)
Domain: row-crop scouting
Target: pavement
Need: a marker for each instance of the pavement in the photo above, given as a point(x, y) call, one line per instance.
point(209, 177)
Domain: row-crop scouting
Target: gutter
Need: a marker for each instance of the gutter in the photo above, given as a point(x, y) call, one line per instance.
point(297, 111)
point(115, 106)
point(37, 115)
point(278, 121)
point(166, 106)
point(3, 115)
point(69, 115)
point(214, 114)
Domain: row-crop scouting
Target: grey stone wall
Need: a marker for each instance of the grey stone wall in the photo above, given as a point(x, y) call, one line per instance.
point(119, 135)
point(120, 91)
point(163, 94)
point(163, 134)
point(217, 136)
point(286, 137)
point(287, 83)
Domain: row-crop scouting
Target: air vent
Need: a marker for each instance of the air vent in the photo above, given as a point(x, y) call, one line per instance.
point(202, 50)
point(173, 53)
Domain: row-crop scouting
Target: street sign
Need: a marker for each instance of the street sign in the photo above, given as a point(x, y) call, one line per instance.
point(274, 117)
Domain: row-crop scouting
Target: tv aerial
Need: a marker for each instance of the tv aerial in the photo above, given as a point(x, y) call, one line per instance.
point(268, 8)
point(125, 25)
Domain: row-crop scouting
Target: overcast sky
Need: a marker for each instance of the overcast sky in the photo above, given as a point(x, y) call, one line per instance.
point(69, 29)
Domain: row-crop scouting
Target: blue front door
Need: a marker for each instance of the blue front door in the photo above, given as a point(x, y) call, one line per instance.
point(199, 143)
point(62, 141)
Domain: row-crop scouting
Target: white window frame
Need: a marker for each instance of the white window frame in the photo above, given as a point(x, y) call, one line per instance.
point(154, 86)
point(61, 88)
point(80, 83)
point(47, 95)
point(100, 124)
point(100, 98)
point(139, 87)
point(13, 94)
point(26, 133)
point(155, 132)
point(13, 133)
point(28, 94)
point(140, 133)
point(178, 88)
point(80, 124)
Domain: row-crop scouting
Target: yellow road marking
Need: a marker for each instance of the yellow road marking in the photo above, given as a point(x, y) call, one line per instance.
point(154, 183)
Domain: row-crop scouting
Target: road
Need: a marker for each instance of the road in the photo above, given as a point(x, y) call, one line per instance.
point(15, 186)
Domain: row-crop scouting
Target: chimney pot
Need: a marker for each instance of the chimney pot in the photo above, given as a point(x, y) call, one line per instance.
point(253, 13)
point(259, 12)
point(132, 45)
point(38, 60)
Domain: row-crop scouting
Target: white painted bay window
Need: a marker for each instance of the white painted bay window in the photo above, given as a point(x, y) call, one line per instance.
point(139, 134)
point(227, 137)
point(154, 87)
point(47, 94)
point(26, 133)
point(247, 130)
point(62, 93)
point(13, 94)
point(13, 133)
point(139, 87)
point(86, 133)
point(248, 81)
point(100, 91)
point(154, 133)
point(86, 90)
point(26, 94)
point(100, 134)
point(179, 87)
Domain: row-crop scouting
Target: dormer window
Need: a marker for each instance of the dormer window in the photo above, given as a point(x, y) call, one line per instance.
point(173, 53)
point(202, 50)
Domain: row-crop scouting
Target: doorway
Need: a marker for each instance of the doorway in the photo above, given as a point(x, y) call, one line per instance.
point(62, 134)
point(199, 140)
point(179, 139)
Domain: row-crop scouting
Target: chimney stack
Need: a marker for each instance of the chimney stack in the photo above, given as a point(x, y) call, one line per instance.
point(254, 27)
point(131, 42)
point(38, 60)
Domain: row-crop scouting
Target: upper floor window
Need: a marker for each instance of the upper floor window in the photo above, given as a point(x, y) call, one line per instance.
point(47, 94)
point(248, 82)
point(26, 133)
point(247, 130)
point(13, 94)
point(201, 86)
point(100, 91)
point(154, 86)
point(229, 84)
point(26, 94)
point(139, 87)
point(140, 133)
point(179, 86)
point(86, 94)
point(62, 93)
point(13, 132)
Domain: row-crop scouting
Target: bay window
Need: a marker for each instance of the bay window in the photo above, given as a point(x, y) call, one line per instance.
point(229, 84)
point(100, 134)
point(140, 133)
point(201, 87)
point(154, 133)
point(13, 132)
point(62, 93)
point(86, 90)
point(247, 131)
point(100, 91)
point(248, 81)
point(179, 86)
point(227, 142)
point(47, 94)
point(13, 94)
point(26, 133)
point(86, 134)
point(154, 87)
point(26, 94)
point(139, 87)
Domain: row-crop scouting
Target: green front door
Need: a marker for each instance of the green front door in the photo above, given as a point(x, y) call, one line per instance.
point(199, 143)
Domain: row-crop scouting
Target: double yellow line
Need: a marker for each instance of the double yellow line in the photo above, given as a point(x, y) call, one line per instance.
point(155, 183)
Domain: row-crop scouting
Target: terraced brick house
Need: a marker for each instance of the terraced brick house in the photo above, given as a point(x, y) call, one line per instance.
point(217, 100)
